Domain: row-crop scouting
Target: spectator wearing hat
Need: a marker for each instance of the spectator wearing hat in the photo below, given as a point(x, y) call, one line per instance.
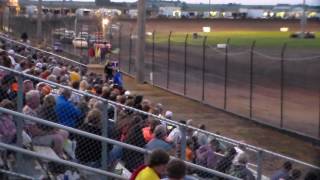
point(159, 140)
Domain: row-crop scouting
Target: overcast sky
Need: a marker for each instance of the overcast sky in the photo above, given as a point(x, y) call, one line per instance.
point(311, 2)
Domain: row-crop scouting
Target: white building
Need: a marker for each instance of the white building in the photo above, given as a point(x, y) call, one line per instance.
point(255, 13)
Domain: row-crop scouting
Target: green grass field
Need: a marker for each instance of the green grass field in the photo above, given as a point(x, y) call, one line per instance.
point(241, 38)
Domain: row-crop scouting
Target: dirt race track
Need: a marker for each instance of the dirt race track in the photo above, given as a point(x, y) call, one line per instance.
point(300, 81)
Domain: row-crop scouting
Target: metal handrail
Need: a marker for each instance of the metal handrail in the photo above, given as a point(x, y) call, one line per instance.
point(16, 174)
point(175, 123)
point(61, 161)
point(99, 138)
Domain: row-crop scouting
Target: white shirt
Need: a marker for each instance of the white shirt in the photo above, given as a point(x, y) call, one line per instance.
point(175, 135)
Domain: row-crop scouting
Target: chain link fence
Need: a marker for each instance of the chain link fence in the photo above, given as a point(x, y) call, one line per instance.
point(128, 124)
point(271, 85)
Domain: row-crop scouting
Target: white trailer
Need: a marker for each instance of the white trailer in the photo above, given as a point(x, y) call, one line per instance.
point(255, 13)
point(84, 12)
point(170, 12)
point(133, 13)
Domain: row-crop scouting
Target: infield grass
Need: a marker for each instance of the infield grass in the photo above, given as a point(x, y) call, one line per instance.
point(240, 38)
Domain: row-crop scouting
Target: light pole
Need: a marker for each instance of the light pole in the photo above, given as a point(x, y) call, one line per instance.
point(140, 47)
point(303, 21)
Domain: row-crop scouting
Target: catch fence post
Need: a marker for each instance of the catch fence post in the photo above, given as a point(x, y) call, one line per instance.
point(204, 46)
point(104, 152)
point(185, 65)
point(168, 64)
point(130, 51)
point(153, 48)
point(183, 142)
point(226, 73)
point(284, 47)
point(251, 77)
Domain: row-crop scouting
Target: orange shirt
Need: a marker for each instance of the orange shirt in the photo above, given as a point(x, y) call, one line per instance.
point(188, 154)
point(147, 134)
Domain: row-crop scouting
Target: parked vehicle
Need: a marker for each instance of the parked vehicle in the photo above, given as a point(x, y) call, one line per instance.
point(57, 47)
point(80, 43)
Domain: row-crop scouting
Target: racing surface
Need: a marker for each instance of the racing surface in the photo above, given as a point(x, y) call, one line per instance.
point(300, 95)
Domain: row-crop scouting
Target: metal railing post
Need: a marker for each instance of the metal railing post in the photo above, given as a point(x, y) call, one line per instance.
point(183, 142)
point(130, 51)
point(204, 46)
point(105, 120)
point(282, 84)
point(185, 65)
point(20, 123)
point(251, 78)
point(153, 48)
point(226, 74)
point(168, 64)
point(259, 164)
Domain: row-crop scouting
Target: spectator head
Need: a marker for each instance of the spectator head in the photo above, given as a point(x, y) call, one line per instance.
point(287, 166)
point(159, 107)
point(98, 105)
point(160, 132)
point(83, 85)
point(66, 93)
point(214, 144)
point(94, 117)
point(296, 174)
point(158, 161)
point(243, 159)
point(231, 152)
point(7, 104)
point(27, 86)
point(49, 101)
point(176, 169)
point(190, 122)
point(121, 99)
point(98, 89)
point(75, 84)
point(52, 78)
point(168, 115)
point(33, 99)
point(153, 124)
point(138, 99)
point(202, 126)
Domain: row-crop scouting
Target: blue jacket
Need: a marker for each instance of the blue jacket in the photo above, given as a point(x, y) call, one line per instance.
point(117, 79)
point(68, 114)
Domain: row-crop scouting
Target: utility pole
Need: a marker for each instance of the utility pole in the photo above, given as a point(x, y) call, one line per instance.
point(303, 21)
point(139, 63)
point(39, 21)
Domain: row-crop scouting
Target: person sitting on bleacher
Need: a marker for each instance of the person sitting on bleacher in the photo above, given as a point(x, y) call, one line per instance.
point(159, 141)
point(240, 169)
point(40, 134)
point(154, 169)
point(88, 150)
point(8, 128)
point(68, 113)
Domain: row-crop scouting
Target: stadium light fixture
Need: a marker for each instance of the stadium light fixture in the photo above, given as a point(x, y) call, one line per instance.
point(206, 29)
point(284, 29)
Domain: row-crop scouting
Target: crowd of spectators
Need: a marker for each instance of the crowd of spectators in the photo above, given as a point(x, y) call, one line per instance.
point(84, 112)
